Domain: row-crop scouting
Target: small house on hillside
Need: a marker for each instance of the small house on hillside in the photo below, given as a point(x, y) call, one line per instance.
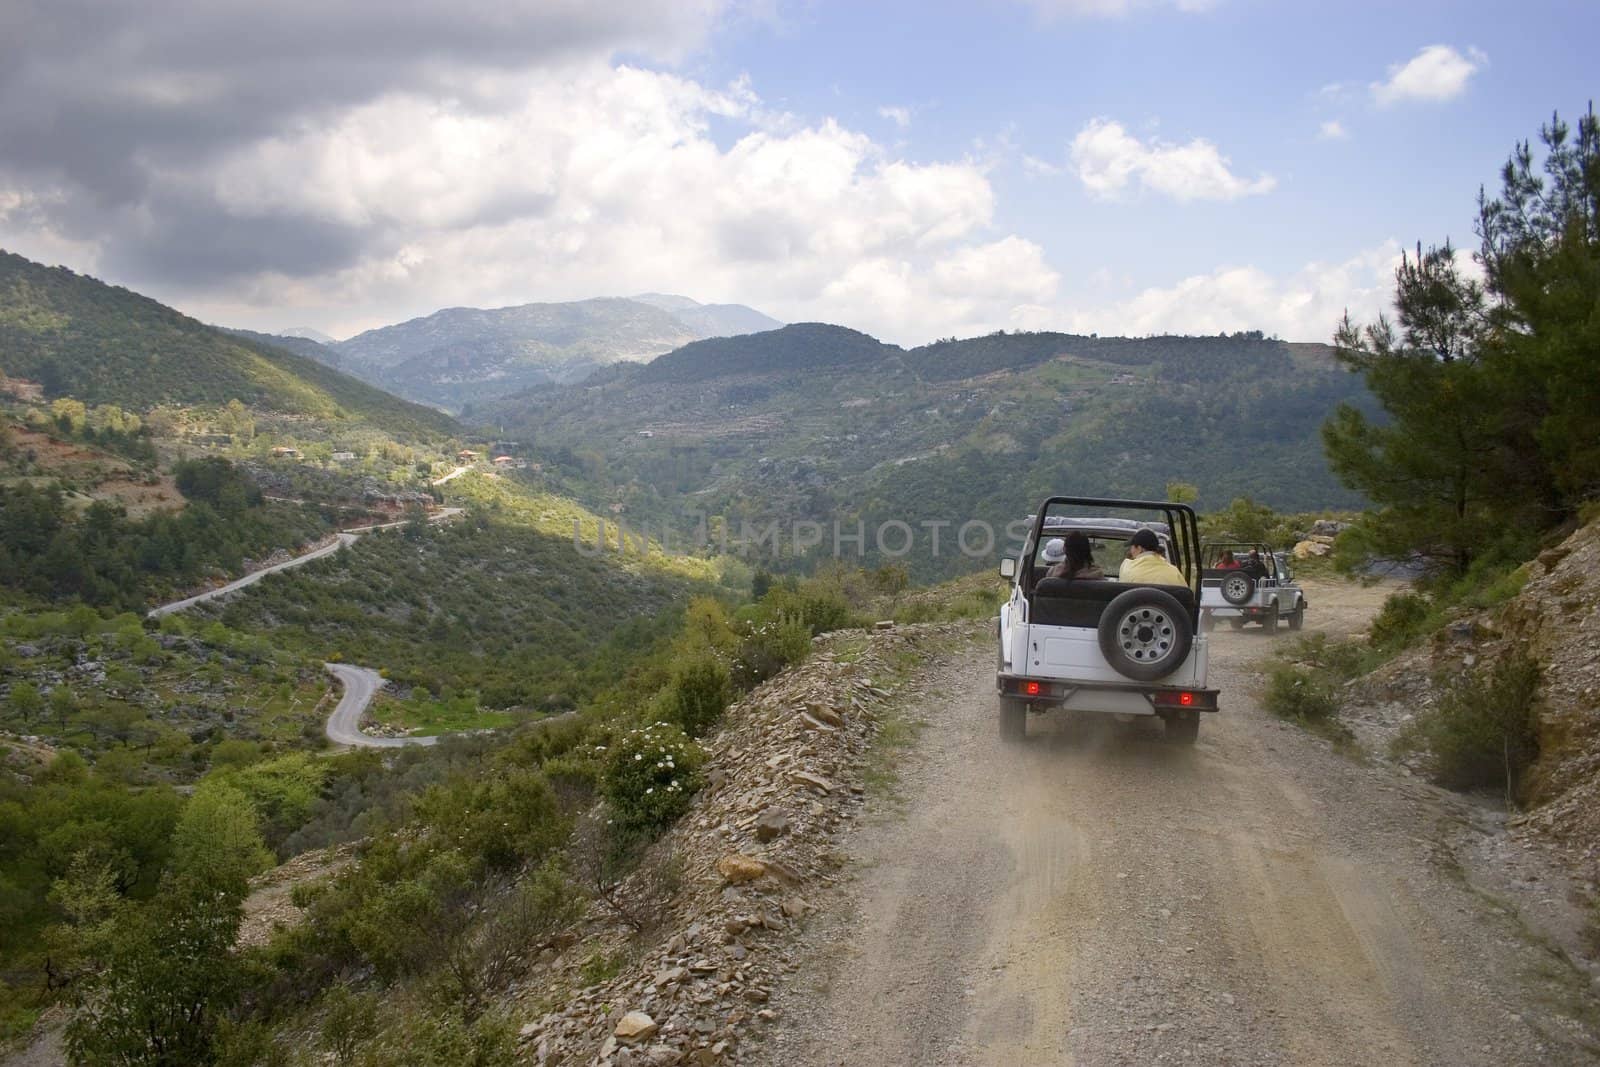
point(284, 452)
point(503, 461)
point(343, 457)
point(467, 455)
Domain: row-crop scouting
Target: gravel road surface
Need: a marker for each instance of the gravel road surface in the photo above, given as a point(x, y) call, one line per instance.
point(1097, 896)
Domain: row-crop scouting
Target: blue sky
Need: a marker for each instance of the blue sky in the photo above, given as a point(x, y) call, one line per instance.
point(914, 170)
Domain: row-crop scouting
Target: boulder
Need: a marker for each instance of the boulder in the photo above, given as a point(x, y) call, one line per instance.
point(771, 825)
point(825, 713)
point(636, 1026)
point(1309, 549)
point(811, 781)
point(737, 868)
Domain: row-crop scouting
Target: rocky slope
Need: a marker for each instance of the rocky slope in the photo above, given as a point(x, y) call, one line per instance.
point(1556, 618)
point(786, 776)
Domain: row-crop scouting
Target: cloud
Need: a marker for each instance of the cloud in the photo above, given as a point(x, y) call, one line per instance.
point(900, 116)
point(106, 103)
point(1108, 159)
point(578, 181)
point(1437, 72)
point(1303, 306)
point(1332, 130)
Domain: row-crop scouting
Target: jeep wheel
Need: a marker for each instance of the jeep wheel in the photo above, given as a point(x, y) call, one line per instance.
point(1182, 728)
point(1238, 587)
point(1145, 634)
point(1013, 719)
point(1297, 617)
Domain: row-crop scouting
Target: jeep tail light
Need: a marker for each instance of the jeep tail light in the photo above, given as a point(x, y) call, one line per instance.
point(1031, 688)
point(1186, 699)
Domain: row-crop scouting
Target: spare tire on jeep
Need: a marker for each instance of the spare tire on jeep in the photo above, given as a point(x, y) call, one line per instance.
point(1238, 587)
point(1145, 634)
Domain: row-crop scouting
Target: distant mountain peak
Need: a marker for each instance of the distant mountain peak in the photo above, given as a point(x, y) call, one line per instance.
point(668, 301)
point(308, 333)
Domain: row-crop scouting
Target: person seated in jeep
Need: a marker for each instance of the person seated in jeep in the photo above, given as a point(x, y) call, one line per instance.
point(1227, 562)
point(1146, 565)
point(1054, 557)
point(1079, 563)
point(1254, 566)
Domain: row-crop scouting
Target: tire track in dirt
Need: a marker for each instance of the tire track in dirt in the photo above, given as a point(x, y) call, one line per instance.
point(1096, 896)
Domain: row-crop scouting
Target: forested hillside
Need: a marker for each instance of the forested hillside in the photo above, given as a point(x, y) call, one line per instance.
point(820, 423)
point(103, 344)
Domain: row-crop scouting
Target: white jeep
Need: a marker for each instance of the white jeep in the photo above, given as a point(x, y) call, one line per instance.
point(1100, 645)
point(1245, 582)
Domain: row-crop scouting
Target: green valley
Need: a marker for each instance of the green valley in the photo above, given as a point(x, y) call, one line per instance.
point(817, 423)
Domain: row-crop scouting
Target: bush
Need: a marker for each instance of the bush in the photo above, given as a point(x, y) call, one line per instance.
point(1403, 618)
point(503, 821)
point(768, 647)
point(699, 692)
point(1295, 693)
point(820, 606)
point(1342, 660)
point(575, 780)
point(1482, 732)
point(651, 776)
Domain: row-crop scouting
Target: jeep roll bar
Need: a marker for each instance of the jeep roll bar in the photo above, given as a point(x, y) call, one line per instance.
point(1183, 531)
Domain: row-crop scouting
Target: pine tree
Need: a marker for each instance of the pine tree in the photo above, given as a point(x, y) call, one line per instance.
point(1489, 388)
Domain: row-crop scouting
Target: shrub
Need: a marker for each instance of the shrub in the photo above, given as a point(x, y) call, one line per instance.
point(820, 606)
point(768, 647)
point(700, 691)
point(1482, 731)
point(1295, 693)
point(443, 1040)
point(1403, 618)
point(651, 776)
point(1342, 660)
point(503, 820)
point(575, 780)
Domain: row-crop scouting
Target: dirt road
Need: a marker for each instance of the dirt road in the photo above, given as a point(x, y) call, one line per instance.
point(1096, 896)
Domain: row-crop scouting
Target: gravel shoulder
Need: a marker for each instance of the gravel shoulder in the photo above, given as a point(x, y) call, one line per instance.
point(1096, 896)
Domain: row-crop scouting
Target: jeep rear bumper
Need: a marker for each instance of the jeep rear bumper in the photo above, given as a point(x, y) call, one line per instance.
point(1114, 698)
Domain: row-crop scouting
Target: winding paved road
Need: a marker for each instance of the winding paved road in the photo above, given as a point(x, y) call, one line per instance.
point(253, 577)
point(344, 537)
point(361, 684)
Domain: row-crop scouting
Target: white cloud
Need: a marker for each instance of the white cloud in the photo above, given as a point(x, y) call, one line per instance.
point(1108, 158)
point(1304, 306)
point(1332, 130)
point(900, 116)
point(1041, 168)
point(608, 181)
point(1437, 72)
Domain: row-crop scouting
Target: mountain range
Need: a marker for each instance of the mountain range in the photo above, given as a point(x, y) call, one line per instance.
point(806, 422)
point(818, 423)
point(459, 357)
point(104, 344)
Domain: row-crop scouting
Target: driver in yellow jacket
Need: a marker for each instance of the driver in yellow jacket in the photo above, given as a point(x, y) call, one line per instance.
point(1146, 565)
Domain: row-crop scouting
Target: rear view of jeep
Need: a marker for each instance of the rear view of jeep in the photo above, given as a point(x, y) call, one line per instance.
point(1089, 644)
